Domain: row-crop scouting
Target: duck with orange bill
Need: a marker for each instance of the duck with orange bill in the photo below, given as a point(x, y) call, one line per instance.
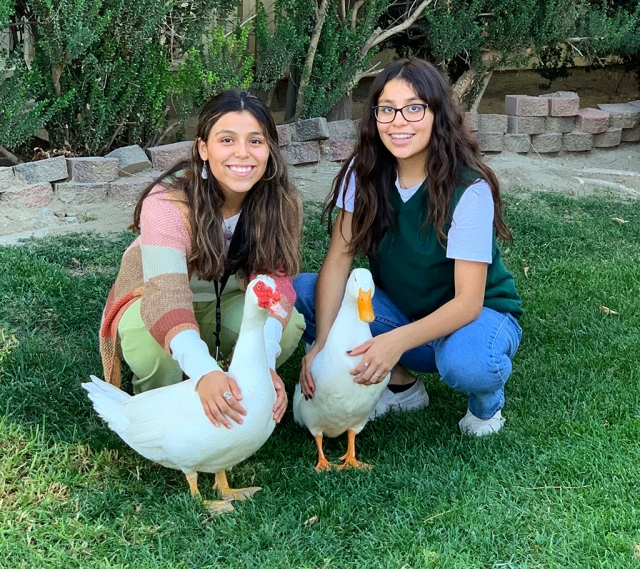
point(339, 403)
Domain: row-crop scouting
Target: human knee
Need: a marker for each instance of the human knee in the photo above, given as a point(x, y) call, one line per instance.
point(475, 373)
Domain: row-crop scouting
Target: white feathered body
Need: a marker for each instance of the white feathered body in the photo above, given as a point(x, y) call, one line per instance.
point(168, 425)
point(339, 403)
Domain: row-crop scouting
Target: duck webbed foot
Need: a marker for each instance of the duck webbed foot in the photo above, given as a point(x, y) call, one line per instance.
point(227, 493)
point(216, 506)
point(349, 459)
point(323, 464)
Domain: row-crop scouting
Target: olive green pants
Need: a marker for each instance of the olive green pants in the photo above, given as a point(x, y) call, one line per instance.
point(153, 367)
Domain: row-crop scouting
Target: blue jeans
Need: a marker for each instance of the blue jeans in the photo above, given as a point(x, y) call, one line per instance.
point(476, 359)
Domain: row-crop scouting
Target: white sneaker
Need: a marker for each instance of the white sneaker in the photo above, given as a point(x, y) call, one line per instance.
point(412, 399)
point(472, 425)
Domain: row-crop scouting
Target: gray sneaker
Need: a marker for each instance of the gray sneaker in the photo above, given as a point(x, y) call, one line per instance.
point(412, 399)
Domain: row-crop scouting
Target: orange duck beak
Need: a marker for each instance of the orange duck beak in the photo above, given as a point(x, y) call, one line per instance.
point(365, 307)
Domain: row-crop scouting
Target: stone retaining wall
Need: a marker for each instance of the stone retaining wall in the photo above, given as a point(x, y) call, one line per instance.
point(542, 125)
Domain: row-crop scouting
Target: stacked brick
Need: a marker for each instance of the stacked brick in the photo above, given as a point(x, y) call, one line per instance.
point(544, 124)
point(306, 141)
point(122, 175)
point(555, 122)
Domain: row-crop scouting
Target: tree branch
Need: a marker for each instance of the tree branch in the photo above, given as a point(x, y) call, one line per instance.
point(311, 54)
point(354, 13)
point(378, 36)
point(9, 155)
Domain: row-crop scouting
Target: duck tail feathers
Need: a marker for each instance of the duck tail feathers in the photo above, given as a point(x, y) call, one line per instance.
point(108, 402)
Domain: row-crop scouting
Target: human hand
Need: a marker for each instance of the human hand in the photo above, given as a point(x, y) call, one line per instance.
point(307, 385)
point(379, 356)
point(212, 389)
point(281, 397)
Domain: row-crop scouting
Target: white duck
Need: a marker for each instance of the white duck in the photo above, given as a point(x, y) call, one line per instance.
point(339, 403)
point(168, 425)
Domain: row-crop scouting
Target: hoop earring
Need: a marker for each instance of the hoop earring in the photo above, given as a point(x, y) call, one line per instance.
point(204, 174)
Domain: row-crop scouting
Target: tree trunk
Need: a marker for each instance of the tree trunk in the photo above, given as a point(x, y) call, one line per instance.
point(311, 54)
point(293, 85)
point(485, 81)
point(342, 110)
point(10, 156)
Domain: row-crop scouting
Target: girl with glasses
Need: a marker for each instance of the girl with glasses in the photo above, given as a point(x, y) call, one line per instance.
point(418, 201)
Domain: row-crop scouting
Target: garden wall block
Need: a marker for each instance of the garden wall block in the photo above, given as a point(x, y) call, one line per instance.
point(631, 134)
point(128, 189)
point(310, 129)
point(471, 120)
point(562, 103)
point(560, 124)
point(548, 142)
point(525, 106)
point(284, 134)
point(89, 170)
point(339, 150)
point(634, 103)
point(621, 115)
point(49, 170)
point(526, 125)
point(577, 141)
point(8, 179)
point(132, 159)
point(34, 195)
point(517, 142)
point(167, 156)
point(492, 123)
point(301, 152)
point(592, 120)
point(343, 130)
point(69, 192)
point(608, 139)
point(490, 141)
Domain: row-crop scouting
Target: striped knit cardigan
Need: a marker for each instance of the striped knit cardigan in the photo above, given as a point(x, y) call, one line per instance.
point(155, 269)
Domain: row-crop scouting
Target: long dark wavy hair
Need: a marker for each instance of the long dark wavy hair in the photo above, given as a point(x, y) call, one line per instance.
point(271, 218)
point(453, 158)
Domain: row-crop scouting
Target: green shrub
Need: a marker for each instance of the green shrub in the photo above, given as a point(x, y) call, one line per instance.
point(222, 62)
point(105, 57)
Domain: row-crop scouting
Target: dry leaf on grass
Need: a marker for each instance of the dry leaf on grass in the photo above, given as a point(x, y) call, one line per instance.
point(619, 220)
point(607, 310)
point(75, 260)
point(312, 520)
point(526, 272)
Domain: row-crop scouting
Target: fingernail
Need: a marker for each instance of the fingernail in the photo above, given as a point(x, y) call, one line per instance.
point(306, 398)
point(348, 351)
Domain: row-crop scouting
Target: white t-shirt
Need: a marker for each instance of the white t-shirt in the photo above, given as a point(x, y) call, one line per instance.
point(470, 237)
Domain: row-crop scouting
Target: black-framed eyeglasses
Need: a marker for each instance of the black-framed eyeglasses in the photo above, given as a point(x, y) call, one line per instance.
point(412, 113)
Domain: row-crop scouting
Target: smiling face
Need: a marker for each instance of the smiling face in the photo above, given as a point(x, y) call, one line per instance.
point(407, 141)
point(237, 152)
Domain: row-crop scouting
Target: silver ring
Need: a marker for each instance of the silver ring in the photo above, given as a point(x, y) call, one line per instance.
point(366, 364)
point(227, 395)
point(377, 374)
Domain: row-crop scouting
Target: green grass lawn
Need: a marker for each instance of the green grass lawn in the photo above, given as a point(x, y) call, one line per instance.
point(558, 487)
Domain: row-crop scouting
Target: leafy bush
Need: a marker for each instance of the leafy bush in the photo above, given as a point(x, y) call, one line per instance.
point(20, 117)
point(220, 63)
point(106, 58)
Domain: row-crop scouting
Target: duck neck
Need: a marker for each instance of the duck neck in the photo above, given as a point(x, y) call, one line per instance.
point(348, 329)
point(250, 353)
